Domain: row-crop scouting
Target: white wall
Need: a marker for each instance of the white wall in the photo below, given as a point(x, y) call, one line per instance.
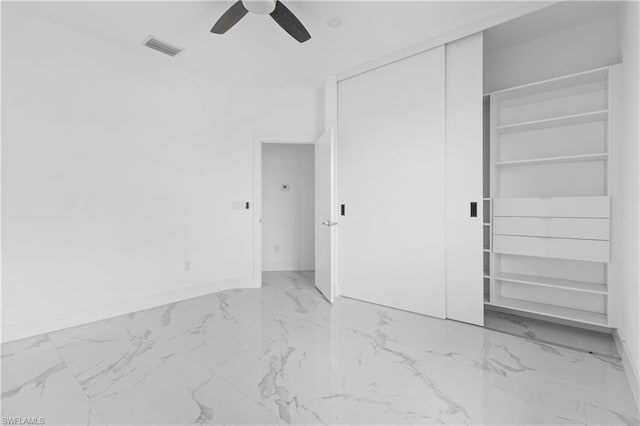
point(116, 170)
point(577, 48)
point(287, 216)
point(627, 155)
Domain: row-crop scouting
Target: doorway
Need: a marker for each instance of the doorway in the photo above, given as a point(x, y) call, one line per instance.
point(287, 207)
point(303, 178)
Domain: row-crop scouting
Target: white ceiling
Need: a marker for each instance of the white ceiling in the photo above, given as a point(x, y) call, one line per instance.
point(551, 19)
point(257, 52)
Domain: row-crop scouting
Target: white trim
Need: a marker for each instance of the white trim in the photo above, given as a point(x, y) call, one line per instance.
point(629, 371)
point(614, 100)
point(21, 330)
point(331, 128)
point(258, 140)
point(550, 80)
point(469, 29)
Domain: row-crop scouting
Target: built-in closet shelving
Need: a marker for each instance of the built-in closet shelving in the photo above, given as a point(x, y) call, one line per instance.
point(547, 186)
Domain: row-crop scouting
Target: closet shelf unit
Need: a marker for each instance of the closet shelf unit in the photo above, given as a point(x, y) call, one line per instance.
point(586, 287)
point(566, 120)
point(554, 160)
point(547, 197)
point(551, 311)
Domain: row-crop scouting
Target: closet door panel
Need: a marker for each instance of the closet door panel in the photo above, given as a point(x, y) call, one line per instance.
point(465, 301)
point(391, 178)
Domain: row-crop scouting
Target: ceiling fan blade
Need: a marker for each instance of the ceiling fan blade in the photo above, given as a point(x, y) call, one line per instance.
point(230, 18)
point(288, 21)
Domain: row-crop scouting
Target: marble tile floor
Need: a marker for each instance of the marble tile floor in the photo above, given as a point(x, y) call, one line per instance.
point(283, 355)
point(556, 334)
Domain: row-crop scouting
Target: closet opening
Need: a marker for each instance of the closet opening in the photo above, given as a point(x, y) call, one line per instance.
point(547, 170)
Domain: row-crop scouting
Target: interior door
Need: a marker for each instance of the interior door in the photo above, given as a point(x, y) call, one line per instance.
point(391, 180)
point(465, 300)
point(325, 218)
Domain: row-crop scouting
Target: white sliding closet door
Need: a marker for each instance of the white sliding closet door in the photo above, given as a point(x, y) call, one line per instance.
point(465, 300)
point(391, 179)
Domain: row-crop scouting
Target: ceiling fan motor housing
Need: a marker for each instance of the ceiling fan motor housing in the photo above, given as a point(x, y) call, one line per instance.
point(275, 8)
point(260, 7)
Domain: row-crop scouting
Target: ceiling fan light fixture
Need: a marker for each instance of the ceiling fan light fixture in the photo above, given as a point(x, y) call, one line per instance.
point(260, 7)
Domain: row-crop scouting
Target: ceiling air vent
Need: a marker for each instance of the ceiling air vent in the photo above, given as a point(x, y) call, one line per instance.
point(162, 46)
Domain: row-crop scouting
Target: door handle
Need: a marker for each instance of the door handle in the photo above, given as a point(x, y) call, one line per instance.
point(329, 223)
point(474, 209)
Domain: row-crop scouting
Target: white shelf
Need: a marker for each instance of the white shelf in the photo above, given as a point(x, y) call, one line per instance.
point(553, 283)
point(551, 311)
point(553, 160)
point(582, 77)
point(567, 120)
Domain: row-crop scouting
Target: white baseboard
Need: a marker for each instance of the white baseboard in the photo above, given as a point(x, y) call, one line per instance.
point(21, 330)
point(632, 375)
point(276, 267)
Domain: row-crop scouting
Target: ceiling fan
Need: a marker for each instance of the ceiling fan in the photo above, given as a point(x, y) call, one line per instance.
point(278, 11)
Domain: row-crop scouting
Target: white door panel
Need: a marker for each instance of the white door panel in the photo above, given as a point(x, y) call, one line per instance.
point(325, 250)
point(391, 164)
point(465, 300)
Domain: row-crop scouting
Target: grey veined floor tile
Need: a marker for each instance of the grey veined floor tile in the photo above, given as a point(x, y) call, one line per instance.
point(282, 354)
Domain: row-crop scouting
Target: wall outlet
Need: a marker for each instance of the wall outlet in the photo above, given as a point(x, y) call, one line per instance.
point(187, 265)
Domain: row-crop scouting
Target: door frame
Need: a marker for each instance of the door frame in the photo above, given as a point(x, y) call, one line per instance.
point(258, 141)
